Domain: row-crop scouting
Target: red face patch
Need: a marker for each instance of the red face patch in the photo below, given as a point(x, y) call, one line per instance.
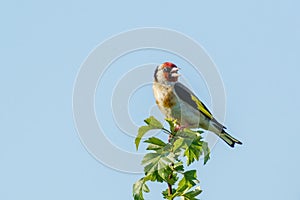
point(169, 64)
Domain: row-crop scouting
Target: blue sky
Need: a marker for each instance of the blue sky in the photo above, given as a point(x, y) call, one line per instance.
point(254, 44)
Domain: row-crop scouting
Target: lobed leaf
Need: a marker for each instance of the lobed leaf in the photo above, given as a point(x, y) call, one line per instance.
point(157, 165)
point(138, 188)
point(152, 123)
point(193, 150)
point(188, 181)
point(178, 167)
point(206, 152)
point(192, 194)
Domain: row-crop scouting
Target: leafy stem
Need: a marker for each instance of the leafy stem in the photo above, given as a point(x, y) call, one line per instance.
point(166, 131)
point(164, 162)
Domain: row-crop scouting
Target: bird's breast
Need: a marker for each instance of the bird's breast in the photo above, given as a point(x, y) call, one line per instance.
point(174, 107)
point(165, 98)
point(169, 99)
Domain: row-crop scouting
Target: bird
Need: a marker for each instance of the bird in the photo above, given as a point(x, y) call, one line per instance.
point(178, 102)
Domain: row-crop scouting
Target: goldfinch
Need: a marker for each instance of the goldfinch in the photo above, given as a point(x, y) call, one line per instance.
point(176, 101)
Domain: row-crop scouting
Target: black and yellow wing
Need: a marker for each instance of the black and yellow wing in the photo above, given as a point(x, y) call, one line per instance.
point(190, 98)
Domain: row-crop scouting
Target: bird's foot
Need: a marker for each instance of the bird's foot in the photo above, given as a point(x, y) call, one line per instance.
point(179, 128)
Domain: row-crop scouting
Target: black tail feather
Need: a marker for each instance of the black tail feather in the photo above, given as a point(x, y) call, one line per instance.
point(231, 141)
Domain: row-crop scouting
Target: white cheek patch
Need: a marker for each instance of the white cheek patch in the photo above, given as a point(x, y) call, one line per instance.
point(174, 69)
point(175, 75)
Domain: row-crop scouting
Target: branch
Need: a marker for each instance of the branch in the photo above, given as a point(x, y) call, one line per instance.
point(170, 190)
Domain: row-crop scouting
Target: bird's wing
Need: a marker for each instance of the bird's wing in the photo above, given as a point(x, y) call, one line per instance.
point(190, 98)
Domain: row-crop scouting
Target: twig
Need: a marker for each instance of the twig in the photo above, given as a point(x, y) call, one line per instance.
point(170, 190)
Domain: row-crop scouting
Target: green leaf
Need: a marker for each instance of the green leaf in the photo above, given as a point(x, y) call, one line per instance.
point(193, 134)
point(172, 123)
point(188, 181)
point(192, 194)
point(193, 150)
point(155, 144)
point(191, 142)
point(206, 152)
point(138, 188)
point(154, 177)
point(146, 188)
point(149, 157)
point(187, 134)
point(158, 164)
point(141, 132)
point(155, 141)
point(179, 142)
point(178, 167)
point(165, 194)
point(174, 179)
point(152, 123)
point(190, 178)
point(200, 131)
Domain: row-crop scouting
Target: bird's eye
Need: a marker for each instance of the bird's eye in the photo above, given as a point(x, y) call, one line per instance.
point(166, 69)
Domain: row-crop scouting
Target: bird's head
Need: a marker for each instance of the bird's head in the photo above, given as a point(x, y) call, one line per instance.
point(166, 73)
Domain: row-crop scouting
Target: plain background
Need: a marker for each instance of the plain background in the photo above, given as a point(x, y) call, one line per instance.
point(255, 44)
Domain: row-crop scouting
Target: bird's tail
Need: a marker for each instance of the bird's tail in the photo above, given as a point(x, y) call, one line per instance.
point(231, 141)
